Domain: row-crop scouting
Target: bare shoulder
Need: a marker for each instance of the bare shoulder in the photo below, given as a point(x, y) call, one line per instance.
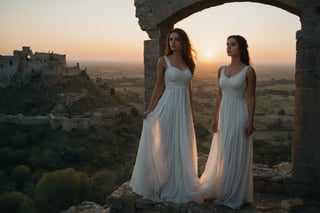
point(161, 61)
point(161, 64)
point(251, 72)
point(220, 69)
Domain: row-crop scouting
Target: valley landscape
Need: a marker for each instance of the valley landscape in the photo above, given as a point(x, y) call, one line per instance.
point(274, 117)
point(40, 160)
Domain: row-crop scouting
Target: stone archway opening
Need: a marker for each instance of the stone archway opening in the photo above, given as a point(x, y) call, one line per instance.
point(275, 87)
point(157, 18)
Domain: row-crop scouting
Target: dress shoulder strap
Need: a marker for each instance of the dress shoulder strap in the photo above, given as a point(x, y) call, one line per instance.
point(223, 69)
point(167, 61)
point(246, 69)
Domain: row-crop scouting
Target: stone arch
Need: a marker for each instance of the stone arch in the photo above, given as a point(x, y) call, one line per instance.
point(158, 17)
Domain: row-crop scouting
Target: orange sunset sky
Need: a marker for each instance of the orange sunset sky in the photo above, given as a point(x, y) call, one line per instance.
point(107, 30)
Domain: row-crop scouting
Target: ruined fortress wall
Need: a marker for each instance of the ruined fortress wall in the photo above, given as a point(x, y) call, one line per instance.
point(72, 71)
point(30, 66)
point(25, 64)
point(44, 57)
point(8, 67)
point(53, 68)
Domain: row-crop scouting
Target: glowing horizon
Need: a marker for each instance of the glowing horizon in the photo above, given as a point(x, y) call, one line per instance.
point(109, 30)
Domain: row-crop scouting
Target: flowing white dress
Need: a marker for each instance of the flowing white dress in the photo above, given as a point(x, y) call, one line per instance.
point(227, 177)
point(166, 163)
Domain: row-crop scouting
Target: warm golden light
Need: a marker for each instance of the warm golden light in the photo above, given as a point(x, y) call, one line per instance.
point(90, 38)
point(206, 54)
point(209, 54)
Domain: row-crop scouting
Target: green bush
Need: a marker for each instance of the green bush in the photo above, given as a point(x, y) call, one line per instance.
point(103, 184)
point(19, 139)
point(3, 176)
point(46, 159)
point(4, 152)
point(16, 202)
point(61, 189)
point(17, 156)
point(21, 174)
point(271, 153)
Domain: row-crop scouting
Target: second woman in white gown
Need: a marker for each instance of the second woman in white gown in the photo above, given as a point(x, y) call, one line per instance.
point(166, 163)
point(227, 177)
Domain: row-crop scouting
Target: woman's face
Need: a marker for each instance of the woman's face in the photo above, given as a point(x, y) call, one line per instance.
point(175, 42)
point(232, 47)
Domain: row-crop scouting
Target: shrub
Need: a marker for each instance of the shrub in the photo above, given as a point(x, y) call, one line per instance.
point(21, 174)
point(46, 159)
point(134, 111)
point(16, 202)
point(3, 176)
point(4, 151)
point(112, 91)
point(20, 139)
point(61, 189)
point(271, 153)
point(17, 156)
point(103, 183)
point(282, 112)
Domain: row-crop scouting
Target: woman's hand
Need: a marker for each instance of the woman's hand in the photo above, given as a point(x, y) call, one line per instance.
point(145, 114)
point(249, 129)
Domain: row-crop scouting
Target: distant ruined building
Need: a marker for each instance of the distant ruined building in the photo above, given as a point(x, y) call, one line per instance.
point(25, 65)
point(157, 18)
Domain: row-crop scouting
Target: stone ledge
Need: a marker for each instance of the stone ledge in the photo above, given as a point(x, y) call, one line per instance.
point(275, 180)
point(272, 193)
point(123, 200)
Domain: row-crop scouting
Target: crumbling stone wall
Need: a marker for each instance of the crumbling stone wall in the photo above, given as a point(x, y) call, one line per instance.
point(158, 17)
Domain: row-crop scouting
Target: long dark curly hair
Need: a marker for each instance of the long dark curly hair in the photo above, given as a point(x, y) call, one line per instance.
point(243, 48)
point(188, 53)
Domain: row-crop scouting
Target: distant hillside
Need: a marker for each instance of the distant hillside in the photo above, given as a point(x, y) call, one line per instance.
point(47, 169)
point(42, 97)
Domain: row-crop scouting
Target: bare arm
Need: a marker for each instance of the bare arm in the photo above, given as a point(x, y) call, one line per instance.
point(218, 101)
point(158, 88)
point(251, 99)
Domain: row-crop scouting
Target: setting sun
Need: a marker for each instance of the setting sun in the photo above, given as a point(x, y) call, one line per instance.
point(209, 54)
point(205, 53)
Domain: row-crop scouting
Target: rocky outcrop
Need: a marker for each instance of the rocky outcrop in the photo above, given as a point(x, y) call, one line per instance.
point(272, 194)
point(272, 186)
point(87, 207)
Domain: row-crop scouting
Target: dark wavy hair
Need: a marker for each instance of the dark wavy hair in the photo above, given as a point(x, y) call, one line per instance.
point(243, 48)
point(187, 50)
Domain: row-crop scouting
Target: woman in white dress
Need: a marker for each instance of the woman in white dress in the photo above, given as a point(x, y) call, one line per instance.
point(166, 162)
point(227, 177)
